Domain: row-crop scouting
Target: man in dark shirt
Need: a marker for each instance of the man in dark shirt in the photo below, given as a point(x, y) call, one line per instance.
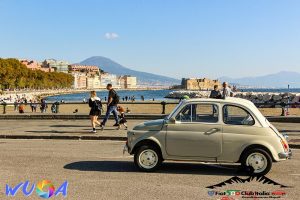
point(215, 93)
point(111, 106)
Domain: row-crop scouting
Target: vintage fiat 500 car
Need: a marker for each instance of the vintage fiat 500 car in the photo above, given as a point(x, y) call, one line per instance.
point(230, 130)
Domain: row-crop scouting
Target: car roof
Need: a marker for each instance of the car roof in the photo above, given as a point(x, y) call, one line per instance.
point(226, 100)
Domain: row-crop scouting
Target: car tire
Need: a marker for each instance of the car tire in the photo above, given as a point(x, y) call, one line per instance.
point(257, 161)
point(147, 158)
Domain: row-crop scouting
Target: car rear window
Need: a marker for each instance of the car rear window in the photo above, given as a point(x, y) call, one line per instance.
point(236, 115)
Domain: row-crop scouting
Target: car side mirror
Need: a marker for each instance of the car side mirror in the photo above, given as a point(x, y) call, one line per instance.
point(172, 120)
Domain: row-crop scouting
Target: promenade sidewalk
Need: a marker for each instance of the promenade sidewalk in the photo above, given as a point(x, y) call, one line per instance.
point(79, 130)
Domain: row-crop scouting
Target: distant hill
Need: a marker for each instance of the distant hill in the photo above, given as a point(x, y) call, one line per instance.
point(277, 80)
point(143, 78)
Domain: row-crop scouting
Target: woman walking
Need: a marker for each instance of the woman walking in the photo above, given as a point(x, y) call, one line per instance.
point(96, 107)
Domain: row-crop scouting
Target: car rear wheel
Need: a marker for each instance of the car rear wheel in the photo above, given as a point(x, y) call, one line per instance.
point(147, 158)
point(258, 160)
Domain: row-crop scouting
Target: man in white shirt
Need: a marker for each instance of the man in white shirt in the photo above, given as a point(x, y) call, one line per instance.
point(226, 92)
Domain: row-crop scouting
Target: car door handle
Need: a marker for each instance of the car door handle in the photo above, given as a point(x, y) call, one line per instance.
point(211, 131)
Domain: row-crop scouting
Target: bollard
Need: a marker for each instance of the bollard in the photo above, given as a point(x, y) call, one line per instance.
point(283, 110)
point(163, 103)
point(4, 107)
point(57, 107)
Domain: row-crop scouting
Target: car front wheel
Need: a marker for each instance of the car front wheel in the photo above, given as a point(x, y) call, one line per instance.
point(258, 160)
point(147, 158)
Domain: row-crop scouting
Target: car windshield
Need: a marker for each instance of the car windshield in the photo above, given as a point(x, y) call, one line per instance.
point(171, 114)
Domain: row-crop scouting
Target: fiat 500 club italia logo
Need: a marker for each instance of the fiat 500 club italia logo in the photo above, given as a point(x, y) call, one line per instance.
point(44, 189)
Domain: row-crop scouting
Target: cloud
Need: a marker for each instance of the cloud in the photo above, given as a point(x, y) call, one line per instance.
point(111, 36)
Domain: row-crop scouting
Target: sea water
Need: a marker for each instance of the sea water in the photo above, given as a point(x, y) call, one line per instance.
point(157, 95)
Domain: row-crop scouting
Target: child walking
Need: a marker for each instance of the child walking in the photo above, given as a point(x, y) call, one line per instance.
point(122, 118)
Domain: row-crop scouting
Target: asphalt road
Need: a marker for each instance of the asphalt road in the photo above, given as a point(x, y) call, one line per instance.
point(83, 127)
point(98, 170)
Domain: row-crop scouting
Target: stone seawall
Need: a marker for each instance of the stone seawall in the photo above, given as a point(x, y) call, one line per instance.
point(255, 97)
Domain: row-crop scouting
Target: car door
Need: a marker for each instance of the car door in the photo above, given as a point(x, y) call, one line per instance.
point(196, 132)
point(239, 127)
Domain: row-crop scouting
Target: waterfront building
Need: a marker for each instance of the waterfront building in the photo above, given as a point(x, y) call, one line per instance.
point(34, 65)
point(80, 80)
point(106, 78)
point(127, 82)
point(57, 65)
point(84, 68)
point(93, 82)
point(199, 84)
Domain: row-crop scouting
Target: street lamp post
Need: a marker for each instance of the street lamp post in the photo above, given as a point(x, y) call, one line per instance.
point(287, 110)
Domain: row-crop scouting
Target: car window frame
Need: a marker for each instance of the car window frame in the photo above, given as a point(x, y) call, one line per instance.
point(204, 103)
point(175, 110)
point(238, 106)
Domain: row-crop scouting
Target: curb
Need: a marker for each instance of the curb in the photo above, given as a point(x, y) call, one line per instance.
point(57, 137)
point(75, 117)
point(294, 146)
point(283, 119)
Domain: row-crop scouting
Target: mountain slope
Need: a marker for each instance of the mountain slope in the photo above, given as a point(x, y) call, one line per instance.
point(143, 78)
point(277, 80)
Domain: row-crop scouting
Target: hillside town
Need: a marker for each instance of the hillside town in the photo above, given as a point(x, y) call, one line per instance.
point(85, 76)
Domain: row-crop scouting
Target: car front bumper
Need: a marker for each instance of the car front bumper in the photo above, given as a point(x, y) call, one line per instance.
point(285, 155)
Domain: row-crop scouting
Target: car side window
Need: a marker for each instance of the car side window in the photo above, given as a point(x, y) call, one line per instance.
point(235, 115)
point(205, 113)
point(185, 114)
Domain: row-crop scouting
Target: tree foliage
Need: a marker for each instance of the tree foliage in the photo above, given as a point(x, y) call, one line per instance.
point(14, 75)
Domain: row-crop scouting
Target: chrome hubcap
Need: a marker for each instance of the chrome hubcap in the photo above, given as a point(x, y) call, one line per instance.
point(258, 161)
point(148, 159)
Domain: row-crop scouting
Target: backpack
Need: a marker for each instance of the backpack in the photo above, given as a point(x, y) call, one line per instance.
point(98, 105)
point(116, 98)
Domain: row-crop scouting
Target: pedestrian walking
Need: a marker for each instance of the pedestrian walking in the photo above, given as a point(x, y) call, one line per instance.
point(15, 105)
point(30, 104)
point(96, 107)
point(43, 106)
point(33, 106)
point(113, 100)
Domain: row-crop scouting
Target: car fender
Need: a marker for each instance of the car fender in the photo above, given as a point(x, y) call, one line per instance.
point(142, 140)
point(257, 143)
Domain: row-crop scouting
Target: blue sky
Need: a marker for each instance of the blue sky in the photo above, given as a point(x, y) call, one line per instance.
point(178, 38)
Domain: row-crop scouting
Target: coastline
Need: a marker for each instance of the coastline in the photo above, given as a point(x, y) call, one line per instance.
point(10, 96)
point(254, 97)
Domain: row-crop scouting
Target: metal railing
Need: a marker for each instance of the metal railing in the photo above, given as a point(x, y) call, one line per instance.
point(162, 103)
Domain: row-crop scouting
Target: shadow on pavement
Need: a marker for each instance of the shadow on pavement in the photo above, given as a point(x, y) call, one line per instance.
point(289, 131)
point(61, 132)
point(67, 126)
point(167, 168)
